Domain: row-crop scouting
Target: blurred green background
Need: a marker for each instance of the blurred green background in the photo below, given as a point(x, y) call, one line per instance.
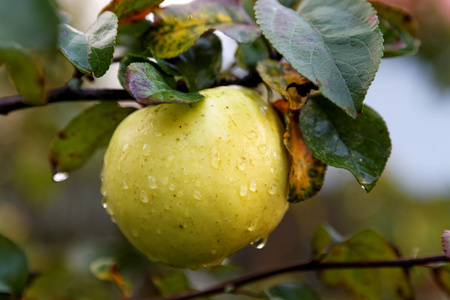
point(63, 226)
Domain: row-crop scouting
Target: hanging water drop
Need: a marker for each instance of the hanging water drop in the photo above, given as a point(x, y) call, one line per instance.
point(104, 203)
point(259, 243)
point(60, 176)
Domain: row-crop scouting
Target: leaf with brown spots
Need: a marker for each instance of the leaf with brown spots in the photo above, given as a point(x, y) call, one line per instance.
point(177, 27)
point(307, 173)
point(399, 28)
point(128, 11)
point(87, 132)
point(281, 77)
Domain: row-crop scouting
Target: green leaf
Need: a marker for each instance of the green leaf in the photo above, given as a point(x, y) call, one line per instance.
point(30, 24)
point(87, 132)
point(441, 276)
point(201, 63)
point(323, 238)
point(26, 73)
point(177, 27)
point(131, 10)
point(13, 268)
point(93, 51)
point(248, 55)
point(100, 38)
point(361, 146)
point(147, 85)
point(72, 44)
point(291, 291)
point(336, 44)
point(399, 28)
point(370, 284)
point(125, 62)
point(171, 283)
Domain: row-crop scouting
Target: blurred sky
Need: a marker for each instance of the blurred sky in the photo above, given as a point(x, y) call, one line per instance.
point(417, 113)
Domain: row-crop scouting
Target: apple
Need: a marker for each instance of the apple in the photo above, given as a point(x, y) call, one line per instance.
point(190, 184)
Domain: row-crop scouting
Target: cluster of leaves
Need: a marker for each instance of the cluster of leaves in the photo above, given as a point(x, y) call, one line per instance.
point(320, 56)
point(167, 54)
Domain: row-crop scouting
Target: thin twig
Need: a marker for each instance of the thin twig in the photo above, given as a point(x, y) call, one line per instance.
point(9, 104)
point(301, 266)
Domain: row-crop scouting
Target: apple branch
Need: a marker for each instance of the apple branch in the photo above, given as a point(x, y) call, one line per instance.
point(233, 285)
point(65, 94)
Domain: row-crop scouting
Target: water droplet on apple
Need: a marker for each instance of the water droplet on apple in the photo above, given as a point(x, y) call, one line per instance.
point(169, 161)
point(124, 184)
point(197, 183)
point(253, 225)
point(172, 187)
point(215, 159)
point(242, 163)
point(60, 176)
point(243, 190)
point(180, 193)
point(145, 150)
point(113, 219)
point(144, 196)
point(157, 133)
point(197, 195)
point(262, 148)
point(104, 202)
point(252, 186)
point(259, 243)
point(251, 134)
point(272, 189)
point(103, 190)
point(152, 182)
point(165, 180)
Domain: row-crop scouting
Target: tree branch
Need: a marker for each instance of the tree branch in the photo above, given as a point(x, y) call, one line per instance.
point(305, 265)
point(9, 104)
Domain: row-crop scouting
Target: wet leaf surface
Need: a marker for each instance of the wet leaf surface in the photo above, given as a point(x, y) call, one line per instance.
point(361, 146)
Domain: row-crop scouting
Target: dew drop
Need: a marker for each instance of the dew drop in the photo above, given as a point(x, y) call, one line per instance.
point(272, 189)
point(172, 187)
point(124, 184)
point(157, 133)
point(103, 190)
point(197, 195)
point(274, 153)
point(215, 159)
point(165, 180)
point(251, 134)
point(262, 148)
point(60, 176)
point(152, 182)
point(363, 187)
point(242, 163)
point(104, 202)
point(253, 225)
point(181, 144)
point(145, 150)
point(252, 186)
point(180, 193)
point(144, 196)
point(244, 189)
point(184, 171)
point(259, 243)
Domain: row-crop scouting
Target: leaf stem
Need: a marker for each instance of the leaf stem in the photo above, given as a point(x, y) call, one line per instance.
point(301, 266)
